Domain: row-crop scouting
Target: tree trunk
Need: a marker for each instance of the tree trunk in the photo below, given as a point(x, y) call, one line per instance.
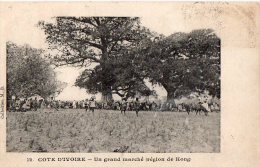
point(106, 95)
point(170, 95)
point(106, 89)
point(170, 92)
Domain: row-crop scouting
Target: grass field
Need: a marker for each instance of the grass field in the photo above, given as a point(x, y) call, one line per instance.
point(108, 131)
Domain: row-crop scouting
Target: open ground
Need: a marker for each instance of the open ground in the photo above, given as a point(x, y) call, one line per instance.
point(77, 130)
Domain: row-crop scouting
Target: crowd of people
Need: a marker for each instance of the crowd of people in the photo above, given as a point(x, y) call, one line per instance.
point(33, 104)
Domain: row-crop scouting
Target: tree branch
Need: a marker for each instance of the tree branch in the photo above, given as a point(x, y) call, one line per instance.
point(97, 20)
point(83, 20)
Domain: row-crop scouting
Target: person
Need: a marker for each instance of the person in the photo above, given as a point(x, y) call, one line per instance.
point(26, 105)
point(41, 102)
point(92, 105)
point(59, 104)
point(12, 105)
point(35, 104)
point(154, 106)
point(74, 104)
point(137, 106)
point(123, 106)
point(147, 105)
point(204, 102)
point(53, 104)
point(82, 104)
point(86, 104)
point(17, 104)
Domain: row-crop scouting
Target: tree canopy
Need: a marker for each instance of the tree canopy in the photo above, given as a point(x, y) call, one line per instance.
point(125, 78)
point(183, 62)
point(82, 41)
point(124, 53)
point(29, 73)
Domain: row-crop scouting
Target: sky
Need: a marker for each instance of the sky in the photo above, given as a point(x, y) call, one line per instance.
point(25, 31)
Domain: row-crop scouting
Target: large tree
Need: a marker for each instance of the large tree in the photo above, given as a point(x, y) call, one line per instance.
point(183, 62)
point(82, 41)
point(126, 78)
point(29, 73)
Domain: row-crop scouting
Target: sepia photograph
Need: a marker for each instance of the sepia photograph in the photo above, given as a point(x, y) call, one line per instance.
point(112, 84)
point(140, 84)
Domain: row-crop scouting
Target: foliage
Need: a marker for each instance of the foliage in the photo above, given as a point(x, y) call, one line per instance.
point(28, 73)
point(125, 78)
point(82, 41)
point(183, 62)
point(124, 53)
